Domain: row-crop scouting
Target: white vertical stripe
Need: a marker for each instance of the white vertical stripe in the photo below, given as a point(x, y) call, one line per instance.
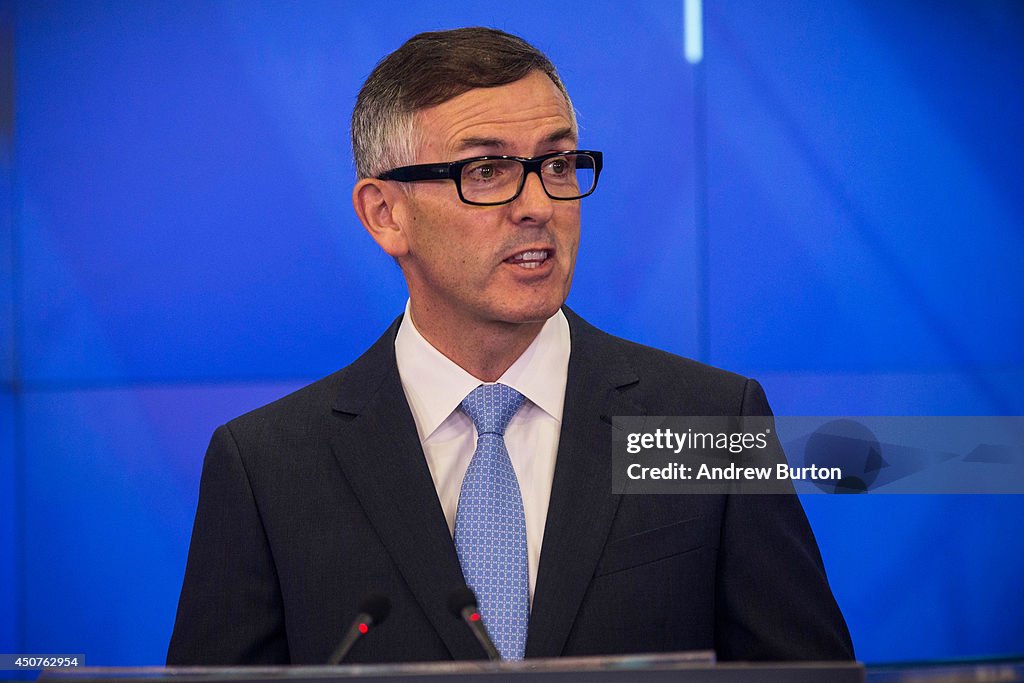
point(693, 25)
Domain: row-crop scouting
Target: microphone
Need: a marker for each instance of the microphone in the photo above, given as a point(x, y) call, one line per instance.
point(372, 612)
point(462, 604)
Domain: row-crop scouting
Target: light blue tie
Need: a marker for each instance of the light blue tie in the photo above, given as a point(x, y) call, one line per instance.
point(490, 526)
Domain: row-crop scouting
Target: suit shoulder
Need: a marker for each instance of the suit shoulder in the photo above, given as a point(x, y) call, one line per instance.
point(296, 411)
point(305, 410)
point(667, 383)
point(649, 360)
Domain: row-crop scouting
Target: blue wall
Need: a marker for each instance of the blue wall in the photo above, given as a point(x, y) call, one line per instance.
point(830, 201)
point(9, 503)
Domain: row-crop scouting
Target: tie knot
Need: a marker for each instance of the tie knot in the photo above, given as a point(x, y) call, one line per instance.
point(491, 407)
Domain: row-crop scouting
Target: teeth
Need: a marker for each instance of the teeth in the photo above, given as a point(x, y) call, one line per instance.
point(532, 256)
point(530, 259)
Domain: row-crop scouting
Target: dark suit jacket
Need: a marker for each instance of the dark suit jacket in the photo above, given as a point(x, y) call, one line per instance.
point(311, 503)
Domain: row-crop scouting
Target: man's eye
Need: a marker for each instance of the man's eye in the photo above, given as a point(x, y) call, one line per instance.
point(558, 167)
point(483, 172)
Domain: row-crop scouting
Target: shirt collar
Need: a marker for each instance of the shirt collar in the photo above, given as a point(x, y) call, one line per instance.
point(435, 386)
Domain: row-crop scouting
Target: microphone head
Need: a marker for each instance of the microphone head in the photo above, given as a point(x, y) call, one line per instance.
point(377, 606)
point(461, 598)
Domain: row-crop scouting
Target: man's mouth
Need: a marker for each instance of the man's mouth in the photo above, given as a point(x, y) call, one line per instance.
point(529, 259)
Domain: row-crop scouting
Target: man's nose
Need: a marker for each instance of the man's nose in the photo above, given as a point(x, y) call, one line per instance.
point(533, 203)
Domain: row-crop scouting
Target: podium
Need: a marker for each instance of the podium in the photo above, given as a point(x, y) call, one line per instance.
point(681, 667)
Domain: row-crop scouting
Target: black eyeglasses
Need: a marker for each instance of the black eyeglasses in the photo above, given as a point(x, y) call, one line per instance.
point(493, 180)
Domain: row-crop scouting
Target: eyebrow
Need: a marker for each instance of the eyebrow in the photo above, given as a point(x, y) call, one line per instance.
point(561, 134)
point(468, 143)
point(500, 144)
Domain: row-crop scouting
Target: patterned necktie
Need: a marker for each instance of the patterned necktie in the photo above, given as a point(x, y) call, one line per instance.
point(490, 526)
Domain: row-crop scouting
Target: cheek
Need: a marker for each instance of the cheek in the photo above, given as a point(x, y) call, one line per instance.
point(426, 226)
point(450, 241)
point(569, 235)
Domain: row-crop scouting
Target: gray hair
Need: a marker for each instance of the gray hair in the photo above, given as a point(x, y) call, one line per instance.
point(430, 69)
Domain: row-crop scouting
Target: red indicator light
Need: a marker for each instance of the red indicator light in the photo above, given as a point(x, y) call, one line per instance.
point(363, 628)
point(475, 616)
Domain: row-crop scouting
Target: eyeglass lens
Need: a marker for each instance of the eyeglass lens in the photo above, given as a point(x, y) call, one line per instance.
point(567, 176)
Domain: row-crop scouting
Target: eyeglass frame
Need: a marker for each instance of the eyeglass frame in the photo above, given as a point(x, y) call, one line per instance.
point(452, 170)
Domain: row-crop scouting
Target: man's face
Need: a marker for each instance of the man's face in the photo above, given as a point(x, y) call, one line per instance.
point(471, 265)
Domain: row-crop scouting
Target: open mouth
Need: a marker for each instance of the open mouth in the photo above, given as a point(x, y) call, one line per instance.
point(529, 259)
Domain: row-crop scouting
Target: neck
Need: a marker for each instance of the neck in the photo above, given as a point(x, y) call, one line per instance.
point(485, 351)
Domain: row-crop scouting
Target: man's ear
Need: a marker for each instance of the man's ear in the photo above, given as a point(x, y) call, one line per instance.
point(380, 207)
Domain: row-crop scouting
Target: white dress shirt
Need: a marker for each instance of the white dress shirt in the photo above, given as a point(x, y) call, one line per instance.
point(435, 386)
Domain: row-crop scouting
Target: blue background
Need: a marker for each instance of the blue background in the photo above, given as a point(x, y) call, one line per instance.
point(830, 202)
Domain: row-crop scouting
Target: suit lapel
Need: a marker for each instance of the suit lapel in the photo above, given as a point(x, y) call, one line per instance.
point(582, 506)
point(380, 453)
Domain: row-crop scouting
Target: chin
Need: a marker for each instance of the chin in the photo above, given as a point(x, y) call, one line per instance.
point(532, 314)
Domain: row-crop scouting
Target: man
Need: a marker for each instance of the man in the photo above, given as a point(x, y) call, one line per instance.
point(386, 478)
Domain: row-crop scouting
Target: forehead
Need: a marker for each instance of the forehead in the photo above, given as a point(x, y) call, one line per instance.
point(518, 118)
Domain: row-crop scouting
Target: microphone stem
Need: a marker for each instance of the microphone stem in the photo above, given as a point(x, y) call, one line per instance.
point(348, 641)
point(477, 627)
